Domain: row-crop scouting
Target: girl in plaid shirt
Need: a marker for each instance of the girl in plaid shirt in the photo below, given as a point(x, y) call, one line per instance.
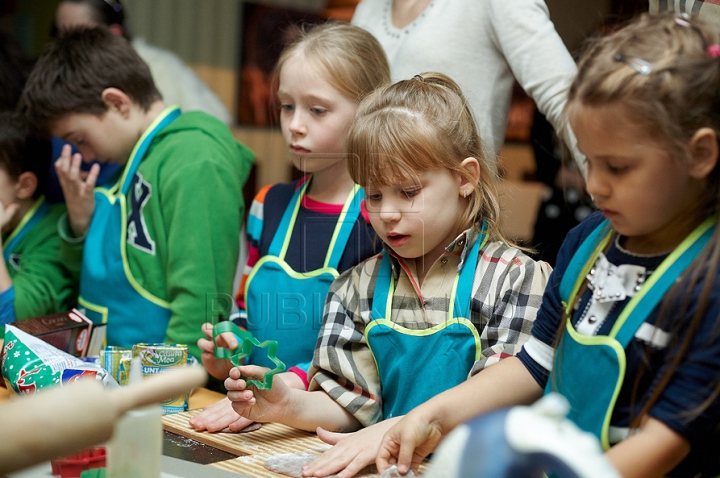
point(628, 329)
point(448, 296)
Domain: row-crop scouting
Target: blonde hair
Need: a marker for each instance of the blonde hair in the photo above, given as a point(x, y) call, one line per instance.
point(421, 124)
point(349, 58)
point(661, 70)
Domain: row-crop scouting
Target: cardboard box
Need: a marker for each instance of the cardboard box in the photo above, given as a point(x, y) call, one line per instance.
point(68, 331)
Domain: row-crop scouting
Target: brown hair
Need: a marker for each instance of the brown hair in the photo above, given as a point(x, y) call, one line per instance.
point(24, 149)
point(659, 68)
point(74, 70)
point(417, 125)
point(349, 58)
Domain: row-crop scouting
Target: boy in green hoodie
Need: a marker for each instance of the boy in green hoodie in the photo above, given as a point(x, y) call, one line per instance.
point(38, 276)
point(161, 244)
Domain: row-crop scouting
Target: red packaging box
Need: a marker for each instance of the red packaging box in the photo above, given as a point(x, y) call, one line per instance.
point(68, 331)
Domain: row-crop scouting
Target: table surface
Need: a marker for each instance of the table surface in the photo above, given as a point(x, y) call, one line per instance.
point(250, 449)
point(242, 453)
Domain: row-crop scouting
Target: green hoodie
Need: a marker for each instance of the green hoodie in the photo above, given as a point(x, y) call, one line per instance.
point(185, 249)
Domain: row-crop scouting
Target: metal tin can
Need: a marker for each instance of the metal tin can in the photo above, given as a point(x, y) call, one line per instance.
point(156, 358)
point(117, 360)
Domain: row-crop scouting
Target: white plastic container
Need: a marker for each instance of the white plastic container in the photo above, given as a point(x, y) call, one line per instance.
point(135, 449)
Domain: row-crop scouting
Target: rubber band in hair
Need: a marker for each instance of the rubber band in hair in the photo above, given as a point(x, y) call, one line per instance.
point(419, 77)
point(683, 20)
point(713, 50)
point(638, 64)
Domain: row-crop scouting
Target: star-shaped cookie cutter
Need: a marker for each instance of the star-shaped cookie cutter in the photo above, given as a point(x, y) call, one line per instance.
point(247, 343)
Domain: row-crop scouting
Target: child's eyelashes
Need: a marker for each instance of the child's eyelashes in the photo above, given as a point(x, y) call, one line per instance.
point(617, 170)
point(410, 193)
point(318, 111)
point(287, 107)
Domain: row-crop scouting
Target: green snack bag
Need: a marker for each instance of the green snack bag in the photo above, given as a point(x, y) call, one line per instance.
point(30, 364)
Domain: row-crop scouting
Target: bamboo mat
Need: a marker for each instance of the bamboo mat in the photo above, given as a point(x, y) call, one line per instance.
point(253, 448)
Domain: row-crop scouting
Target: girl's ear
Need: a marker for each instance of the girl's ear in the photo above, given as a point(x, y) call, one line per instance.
point(118, 100)
point(26, 185)
point(703, 153)
point(472, 167)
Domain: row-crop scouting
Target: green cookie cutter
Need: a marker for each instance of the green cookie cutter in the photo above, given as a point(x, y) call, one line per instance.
point(247, 342)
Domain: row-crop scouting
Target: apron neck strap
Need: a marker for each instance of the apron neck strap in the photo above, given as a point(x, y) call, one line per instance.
point(343, 227)
point(138, 153)
point(36, 214)
point(460, 298)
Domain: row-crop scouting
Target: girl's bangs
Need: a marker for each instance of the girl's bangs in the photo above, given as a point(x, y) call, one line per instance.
point(389, 151)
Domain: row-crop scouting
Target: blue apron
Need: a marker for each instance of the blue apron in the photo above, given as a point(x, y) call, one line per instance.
point(416, 365)
point(109, 294)
point(36, 214)
point(285, 305)
point(592, 396)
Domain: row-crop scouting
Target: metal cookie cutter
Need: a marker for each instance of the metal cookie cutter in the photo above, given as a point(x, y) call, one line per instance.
point(247, 342)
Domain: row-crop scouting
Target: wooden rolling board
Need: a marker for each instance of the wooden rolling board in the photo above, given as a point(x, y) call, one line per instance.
point(252, 448)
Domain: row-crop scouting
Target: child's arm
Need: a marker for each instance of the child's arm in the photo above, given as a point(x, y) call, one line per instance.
point(78, 191)
point(509, 306)
point(351, 452)
point(296, 408)
point(220, 416)
point(419, 432)
point(652, 452)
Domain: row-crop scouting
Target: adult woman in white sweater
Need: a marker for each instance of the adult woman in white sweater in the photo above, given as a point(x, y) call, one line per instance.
point(482, 45)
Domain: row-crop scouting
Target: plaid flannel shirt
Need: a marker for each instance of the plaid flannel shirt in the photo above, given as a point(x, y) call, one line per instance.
point(507, 292)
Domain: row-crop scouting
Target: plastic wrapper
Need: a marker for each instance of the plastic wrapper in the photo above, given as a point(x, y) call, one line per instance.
point(30, 364)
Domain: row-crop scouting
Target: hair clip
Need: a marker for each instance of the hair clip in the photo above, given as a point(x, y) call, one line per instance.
point(713, 50)
point(419, 77)
point(637, 64)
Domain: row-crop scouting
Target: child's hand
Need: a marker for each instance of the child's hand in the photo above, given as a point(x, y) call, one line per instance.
point(254, 404)
point(351, 451)
point(218, 417)
point(7, 213)
point(408, 442)
point(78, 189)
point(218, 368)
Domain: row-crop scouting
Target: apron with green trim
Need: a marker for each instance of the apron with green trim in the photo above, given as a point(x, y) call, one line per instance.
point(285, 305)
point(36, 214)
point(592, 395)
point(108, 291)
point(416, 365)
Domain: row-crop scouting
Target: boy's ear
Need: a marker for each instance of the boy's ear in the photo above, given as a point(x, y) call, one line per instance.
point(703, 152)
point(117, 29)
point(26, 185)
point(118, 100)
point(472, 167)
